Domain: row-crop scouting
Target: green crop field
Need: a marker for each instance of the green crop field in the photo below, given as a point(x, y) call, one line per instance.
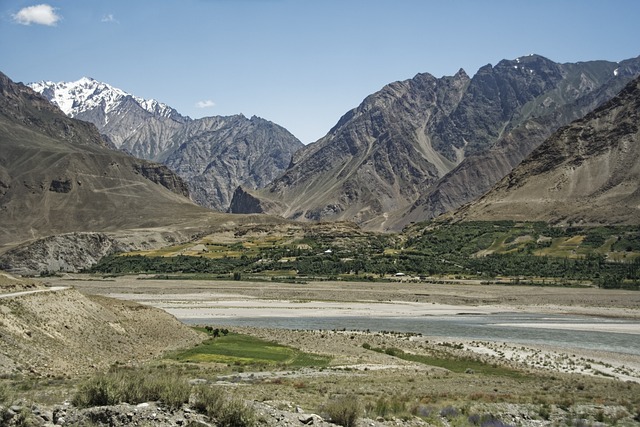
point(241, 349)
point(600, 256)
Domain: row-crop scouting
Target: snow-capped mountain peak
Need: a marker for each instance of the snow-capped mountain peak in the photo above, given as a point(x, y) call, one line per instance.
point(115, 112)
point(87, 94)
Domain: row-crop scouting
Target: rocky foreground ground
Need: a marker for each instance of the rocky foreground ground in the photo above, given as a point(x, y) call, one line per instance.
point(539, 394)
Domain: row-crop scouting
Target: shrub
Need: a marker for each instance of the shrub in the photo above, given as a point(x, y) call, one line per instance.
point(234, 412)
point(449, 412)
point(422, 411)
point(208, 400)
point(490, 421)
point(174, 391)
point(98, 391)
point(544, 412)
point(344, 410)
point(131, 386)
point(381, 408)
point(4, 393)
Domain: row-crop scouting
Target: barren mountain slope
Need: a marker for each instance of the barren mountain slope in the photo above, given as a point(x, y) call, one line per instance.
point(478, 173)
point(56, 176)
point(217, 154)
point(375, 159)
point(64, 333)
point(587, 172)
point(213, 154)
point(401, 145)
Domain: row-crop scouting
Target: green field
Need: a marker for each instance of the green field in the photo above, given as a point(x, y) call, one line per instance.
point(602, 256)
point(454, 364)
point(238, 349)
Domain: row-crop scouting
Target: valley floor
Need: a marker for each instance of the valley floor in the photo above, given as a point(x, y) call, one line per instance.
point(220, 302)
point(533, 384)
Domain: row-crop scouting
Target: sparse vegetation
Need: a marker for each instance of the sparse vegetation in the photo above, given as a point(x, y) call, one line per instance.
point(235, 413)
point(133, 386)
point(208, 400)
point(228, 412)
point(459, 364)
point(343, 410)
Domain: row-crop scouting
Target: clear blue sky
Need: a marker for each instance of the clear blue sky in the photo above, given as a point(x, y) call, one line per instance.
point(299, 63)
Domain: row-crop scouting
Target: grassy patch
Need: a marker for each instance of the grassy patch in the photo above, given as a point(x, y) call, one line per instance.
point(246, 350)
point(454, 363)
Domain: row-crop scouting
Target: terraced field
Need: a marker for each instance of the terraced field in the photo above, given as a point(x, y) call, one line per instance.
point(537, 252)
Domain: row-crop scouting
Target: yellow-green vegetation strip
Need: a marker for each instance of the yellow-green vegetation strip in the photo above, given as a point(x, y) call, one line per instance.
point(453, 363)
point(242, 349)
point(166, 251)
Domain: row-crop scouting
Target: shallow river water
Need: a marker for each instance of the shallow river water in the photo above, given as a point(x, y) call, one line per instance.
point(616, 335)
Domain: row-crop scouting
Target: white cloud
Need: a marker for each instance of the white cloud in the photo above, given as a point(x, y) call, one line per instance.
point(42, 14)
point(205, 104)
point(109, 18)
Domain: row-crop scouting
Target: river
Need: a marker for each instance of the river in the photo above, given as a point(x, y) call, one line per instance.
point(567, 331)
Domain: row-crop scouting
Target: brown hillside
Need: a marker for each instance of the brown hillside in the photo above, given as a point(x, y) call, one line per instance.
point(587, 172)
point(57, 176)
point(64, 333)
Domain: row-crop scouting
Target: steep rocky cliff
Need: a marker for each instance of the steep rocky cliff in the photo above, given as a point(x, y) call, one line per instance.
point(58, 176)
point(213, 154)
point(160, 174)
point(426, 145)
point(587, 172)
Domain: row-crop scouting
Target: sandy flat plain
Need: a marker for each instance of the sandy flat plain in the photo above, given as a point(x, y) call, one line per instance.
point(198, 298)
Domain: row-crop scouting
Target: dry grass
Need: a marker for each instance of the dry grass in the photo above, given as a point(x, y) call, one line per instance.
point(133, 386)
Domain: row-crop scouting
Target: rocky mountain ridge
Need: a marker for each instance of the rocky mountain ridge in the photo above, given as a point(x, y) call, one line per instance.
point(57, 176)
point(423, 146)
point(89, 95)
point(213, 154)
point(486, 169)
point(585, 173)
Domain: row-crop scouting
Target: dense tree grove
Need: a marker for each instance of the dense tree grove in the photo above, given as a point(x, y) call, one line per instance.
point(479, 249)
point(181, 264)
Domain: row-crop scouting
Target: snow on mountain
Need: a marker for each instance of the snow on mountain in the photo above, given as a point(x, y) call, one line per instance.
point(214, 155)
point(87, 94)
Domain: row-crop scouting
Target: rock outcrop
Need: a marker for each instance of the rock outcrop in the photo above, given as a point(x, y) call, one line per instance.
point(214, 155)
point(160, 174)
point(427, 145)
point(585, 173)
point(70, 252)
